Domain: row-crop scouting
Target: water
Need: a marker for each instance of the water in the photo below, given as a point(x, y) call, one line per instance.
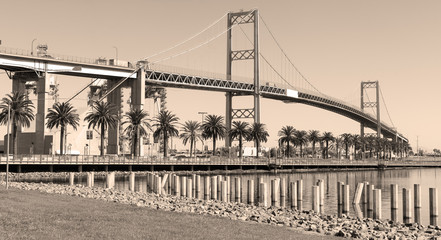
point(405, 178)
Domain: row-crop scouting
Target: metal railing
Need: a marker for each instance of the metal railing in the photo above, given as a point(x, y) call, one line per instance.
point(212, 160)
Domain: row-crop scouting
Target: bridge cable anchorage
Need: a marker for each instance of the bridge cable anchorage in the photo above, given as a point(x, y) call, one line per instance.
point(387, 111)
point(200, 45)
point(286, 56)
point(191, 38)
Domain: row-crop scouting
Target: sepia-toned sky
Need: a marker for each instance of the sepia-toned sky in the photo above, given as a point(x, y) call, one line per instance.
point(335, 44)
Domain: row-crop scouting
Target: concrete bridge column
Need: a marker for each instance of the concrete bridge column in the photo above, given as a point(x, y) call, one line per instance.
point(113, 133)
point(43, 86)
point(138, 98)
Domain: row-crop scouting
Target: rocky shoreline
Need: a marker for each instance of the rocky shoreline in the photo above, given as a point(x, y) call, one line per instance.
point(344, 226)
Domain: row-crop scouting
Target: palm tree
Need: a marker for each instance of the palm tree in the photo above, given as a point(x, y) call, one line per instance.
point(213, 127)
point(21, 111)
point(370, 144)
point(347, 140)
point(191, 132)
point(338, 143)
point(137, 125)
point(103, 117)
point(286, 135)
point(327, 137)
point(314, 137)
point(165, 124)
point(239, 130)
point(357, 142)
point(258, 134)
point(62, 114)
point(300, 139)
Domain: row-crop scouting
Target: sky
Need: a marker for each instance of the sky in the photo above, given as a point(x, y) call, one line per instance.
point(335, 44)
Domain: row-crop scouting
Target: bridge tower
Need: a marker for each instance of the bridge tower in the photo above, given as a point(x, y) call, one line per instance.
point(371, 104)
point(244, 54)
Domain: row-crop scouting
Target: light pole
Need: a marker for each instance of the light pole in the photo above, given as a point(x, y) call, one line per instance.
point(32, 47)
point(202, 122)
point(7, 147)
point(116, 59)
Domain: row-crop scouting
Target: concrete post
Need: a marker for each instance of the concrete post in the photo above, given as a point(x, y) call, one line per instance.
point(300, 194)
point(293, 193)
point(263, 195)
point(189, 188)
point(43, 85)
point(207, 188)
point(177, 186)
point(251, 192)
point(316, 199)
point(132, 182)
point(71, 178)
point(346, 199)
point(198, 187)
point(407, 211)
point(283, 192)
point(394, 202)
point(417, 202)
point(377, 203)
point(183, 186)
point(433, 206)
point(224, 191)
point(138, 98)
point(237, 185)
point(214, 187)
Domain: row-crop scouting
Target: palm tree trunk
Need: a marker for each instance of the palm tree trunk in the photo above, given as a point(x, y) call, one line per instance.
point(165, 144)
point(135, 142)
point(14, 138)
point(257, 149)
point(102, 141)
point(313, 149)
point(214, 146)
point(240, 147)
point(191, 148)
point(61, 140)
point(346, 148)
point(327, 149)
point(287, 149)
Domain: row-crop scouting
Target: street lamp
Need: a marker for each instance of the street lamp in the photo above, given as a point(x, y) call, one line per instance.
point(7, 147)
point(32, 47)
point(116, 59)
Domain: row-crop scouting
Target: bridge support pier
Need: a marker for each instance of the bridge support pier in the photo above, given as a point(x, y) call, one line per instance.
point(114, 98)
point(138, 99)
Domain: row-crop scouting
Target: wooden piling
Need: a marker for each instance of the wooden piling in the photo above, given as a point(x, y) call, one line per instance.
point(177, 186)
point(197, 184)
point(407, 211)
point(283, 192)
point(224, 191)
point(250, 192)
point(340, 193)
point(293, 192)
point(183, 186)
point(393, 202)
point(358, 192)
point(131, 181)
point(71, 178)
point(370, 193)
point(189, 187)
point(214, 187)
point(377, 203)
point(346, 199)
point(237, 185)
point(433, 206)
point(263, 194)
point(417, 202)
point(316, 199)
point(300, 195)
point(321, 185)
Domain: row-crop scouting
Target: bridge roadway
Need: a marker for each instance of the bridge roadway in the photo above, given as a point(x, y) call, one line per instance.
point(12, 60)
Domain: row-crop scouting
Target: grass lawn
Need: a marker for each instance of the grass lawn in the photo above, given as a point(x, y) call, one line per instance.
point(35, 215)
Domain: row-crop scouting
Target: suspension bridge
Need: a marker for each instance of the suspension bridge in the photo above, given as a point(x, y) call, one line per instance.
point(284, 83)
